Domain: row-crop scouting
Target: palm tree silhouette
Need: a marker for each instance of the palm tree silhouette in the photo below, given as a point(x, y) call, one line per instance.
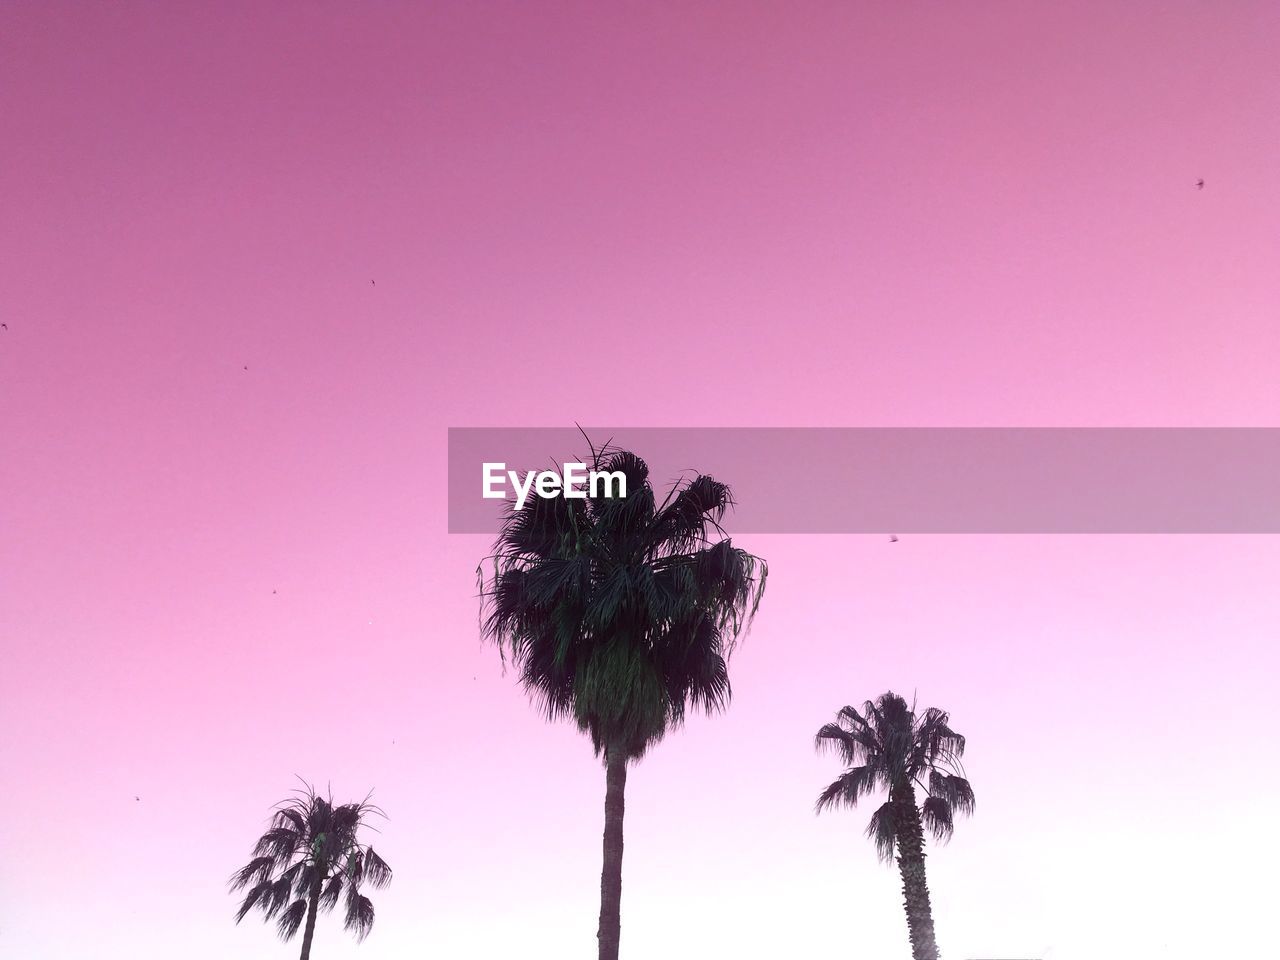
point(309, 858)
point(888, 747)
point(620, 614)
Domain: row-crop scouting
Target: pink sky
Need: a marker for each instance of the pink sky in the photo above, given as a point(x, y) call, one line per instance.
point(657, 214)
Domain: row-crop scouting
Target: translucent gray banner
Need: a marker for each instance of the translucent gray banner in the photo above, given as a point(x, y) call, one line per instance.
point(917, 480)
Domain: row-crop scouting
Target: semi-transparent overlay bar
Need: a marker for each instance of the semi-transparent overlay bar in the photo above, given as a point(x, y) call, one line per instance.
point(917, 480)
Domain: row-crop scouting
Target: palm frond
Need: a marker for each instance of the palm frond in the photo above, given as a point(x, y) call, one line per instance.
point(290, 920)
point(290, 875)
point(254, 898)
point(259, 868)
point(280, 844)
point(883, 829)
point(289, 818)
point(956, 791)
point(682, 523)
point(331, 892)
point(306, 877)
point(853, 745)
point(376, 870)
point(276, 897)
point(848, 788)
point(937, 816)
point(359, 917)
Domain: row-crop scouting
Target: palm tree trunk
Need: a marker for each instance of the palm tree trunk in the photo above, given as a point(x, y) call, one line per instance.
point(313, 905)
point(915, 891)
point(610, 931)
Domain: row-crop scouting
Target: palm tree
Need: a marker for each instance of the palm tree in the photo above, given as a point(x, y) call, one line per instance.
point(887, 746)
point(620, 614)
point(310, 856)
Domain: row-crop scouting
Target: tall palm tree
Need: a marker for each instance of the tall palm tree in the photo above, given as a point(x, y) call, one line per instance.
point(888, 747)
point(620, 613)
point(310, 857)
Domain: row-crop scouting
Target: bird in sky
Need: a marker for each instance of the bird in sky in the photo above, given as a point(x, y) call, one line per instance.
point(137, 798)
point(4, 325)
point(893, 538)
point(1200, 184)
point(373, 282)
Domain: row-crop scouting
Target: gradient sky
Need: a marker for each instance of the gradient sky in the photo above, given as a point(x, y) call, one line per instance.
point(213, 578)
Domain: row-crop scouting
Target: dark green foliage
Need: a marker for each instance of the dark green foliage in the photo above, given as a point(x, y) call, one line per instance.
point(620, 613)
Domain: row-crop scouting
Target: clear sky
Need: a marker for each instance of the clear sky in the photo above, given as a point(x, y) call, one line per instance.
point(256, 258)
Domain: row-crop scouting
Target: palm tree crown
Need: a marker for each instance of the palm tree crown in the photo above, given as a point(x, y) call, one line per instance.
point(310, 858)
point(619, 612)
point(886, 746)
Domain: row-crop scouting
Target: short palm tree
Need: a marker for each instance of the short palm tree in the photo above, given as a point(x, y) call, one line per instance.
point(888, 747)
point(621, 613)
point(311, 857)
